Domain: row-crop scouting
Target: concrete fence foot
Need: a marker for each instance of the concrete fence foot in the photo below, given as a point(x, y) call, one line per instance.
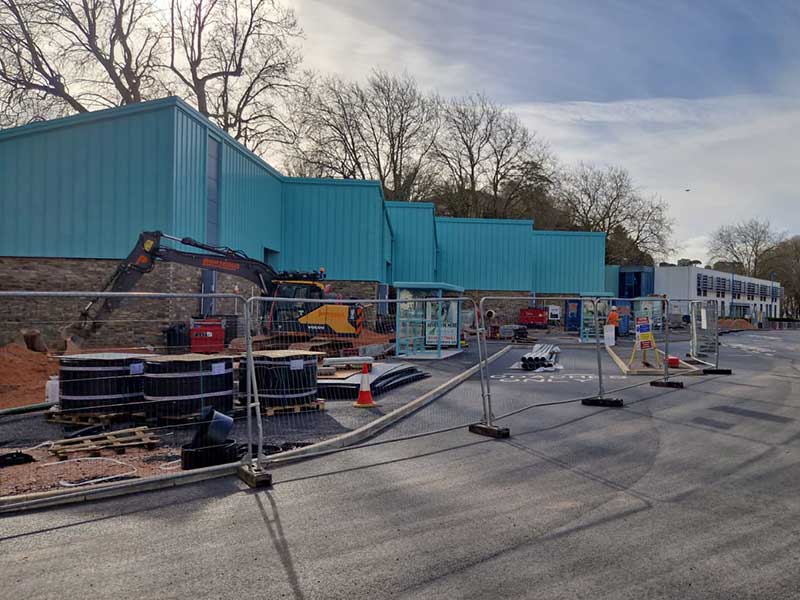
point(490, 430)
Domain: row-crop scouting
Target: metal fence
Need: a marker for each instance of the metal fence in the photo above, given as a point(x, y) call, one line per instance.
point(557, 351)
point(644, 337)
point(345, 373)
point(102, 387)
point(704, 325)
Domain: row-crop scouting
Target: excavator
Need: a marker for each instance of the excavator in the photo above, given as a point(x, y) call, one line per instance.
point(329, 320)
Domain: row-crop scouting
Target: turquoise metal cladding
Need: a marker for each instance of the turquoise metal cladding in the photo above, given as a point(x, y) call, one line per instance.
point(251, 203)
point(85, 186)
point(612, 280)
point(414, 257)
point(189, 189)
point(568, 262)
point(333, 223)
point(485, 254)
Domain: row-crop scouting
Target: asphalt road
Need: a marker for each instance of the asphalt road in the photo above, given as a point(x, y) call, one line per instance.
point(691, 493)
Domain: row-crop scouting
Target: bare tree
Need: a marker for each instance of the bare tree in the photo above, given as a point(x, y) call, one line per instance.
point(33, 77)
point(463, 145)
point(399, 128)
point(384, 129)
point(605, 199)
point(782, 262)
point(77, 55)
point(330, 141)
point(236, 60)
point(233, 59)
point(119, 40)
point(745, 243)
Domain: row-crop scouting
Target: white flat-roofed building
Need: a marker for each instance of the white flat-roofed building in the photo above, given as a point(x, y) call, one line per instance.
point(736, 296)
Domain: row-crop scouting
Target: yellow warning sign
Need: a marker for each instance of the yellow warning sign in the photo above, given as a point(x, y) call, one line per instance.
point(644, 340)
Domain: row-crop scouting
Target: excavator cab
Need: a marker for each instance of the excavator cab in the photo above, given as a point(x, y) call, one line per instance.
point(312, 317)
point(285, 315)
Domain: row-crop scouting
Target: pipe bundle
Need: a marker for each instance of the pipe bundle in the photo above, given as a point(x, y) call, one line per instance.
point(542, 355)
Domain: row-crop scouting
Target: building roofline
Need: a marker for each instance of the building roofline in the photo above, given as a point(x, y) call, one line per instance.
point(91, 117)
point(97, 116)
point(517, 222)
point(190, 111)
point(406, 204)
point(334, 181)
point(569, 233)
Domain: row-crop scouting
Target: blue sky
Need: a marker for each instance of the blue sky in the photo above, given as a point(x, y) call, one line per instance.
point(699, 94)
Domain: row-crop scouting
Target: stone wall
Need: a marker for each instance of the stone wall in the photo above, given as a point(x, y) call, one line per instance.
point(507, 311)
point(355, 289)
point(136, 322)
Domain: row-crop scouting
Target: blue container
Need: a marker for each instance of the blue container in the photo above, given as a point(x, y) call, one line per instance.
point(573, 314)
point(625, 312)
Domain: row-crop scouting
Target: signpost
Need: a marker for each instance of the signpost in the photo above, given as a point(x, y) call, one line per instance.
point(644, 341)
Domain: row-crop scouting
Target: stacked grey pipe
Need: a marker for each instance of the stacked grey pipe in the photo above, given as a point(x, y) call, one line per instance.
point(542, 355)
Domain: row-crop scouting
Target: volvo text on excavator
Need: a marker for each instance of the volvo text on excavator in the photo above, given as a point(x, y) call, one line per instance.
point(337, 320)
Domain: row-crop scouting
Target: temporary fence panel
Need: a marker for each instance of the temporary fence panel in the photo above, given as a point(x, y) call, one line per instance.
point(704, 330)
point(360, 371)
point(547, 361)
point(140, 383)
point(642, 337)
point(283, 373)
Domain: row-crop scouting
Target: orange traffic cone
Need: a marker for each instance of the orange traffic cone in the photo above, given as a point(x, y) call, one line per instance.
point(365, 393)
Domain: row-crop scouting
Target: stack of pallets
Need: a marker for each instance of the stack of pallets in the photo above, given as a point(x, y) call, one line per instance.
point(117, 441)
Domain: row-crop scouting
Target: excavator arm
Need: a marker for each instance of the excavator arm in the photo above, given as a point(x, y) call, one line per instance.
point(149, 250)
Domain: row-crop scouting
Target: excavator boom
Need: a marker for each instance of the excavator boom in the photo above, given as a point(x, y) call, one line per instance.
point(149, 250)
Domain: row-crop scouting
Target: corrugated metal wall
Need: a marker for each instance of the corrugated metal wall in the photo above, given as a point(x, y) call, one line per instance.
point(612, 280)
point(336, 224)
point(191, 151)
point(86, 186)
point(485, 254)
point(414, 241)
point(251, 204)
point(568, 262)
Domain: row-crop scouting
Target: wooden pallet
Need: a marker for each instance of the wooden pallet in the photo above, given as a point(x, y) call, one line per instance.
point(195, 416)
point(118, 441)
point(85, 419)
point(290, 409)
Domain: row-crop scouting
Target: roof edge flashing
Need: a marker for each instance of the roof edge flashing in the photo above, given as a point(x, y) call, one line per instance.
point(89, 117)
point(476, 221)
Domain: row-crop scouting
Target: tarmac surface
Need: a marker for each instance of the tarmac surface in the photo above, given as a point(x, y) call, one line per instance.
point(691, 493)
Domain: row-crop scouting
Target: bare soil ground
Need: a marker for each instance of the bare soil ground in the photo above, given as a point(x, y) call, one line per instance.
point(48, 473)
point(23, 375)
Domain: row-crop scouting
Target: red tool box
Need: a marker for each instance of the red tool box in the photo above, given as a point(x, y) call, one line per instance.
point(207, 336)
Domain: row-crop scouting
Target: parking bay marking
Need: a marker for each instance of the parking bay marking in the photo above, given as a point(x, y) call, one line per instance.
point(550, 377)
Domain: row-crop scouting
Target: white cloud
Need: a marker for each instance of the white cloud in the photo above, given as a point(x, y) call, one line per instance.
point(737, 154)
point(337, 42)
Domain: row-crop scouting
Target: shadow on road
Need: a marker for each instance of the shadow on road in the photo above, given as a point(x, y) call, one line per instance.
point(275, 530)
